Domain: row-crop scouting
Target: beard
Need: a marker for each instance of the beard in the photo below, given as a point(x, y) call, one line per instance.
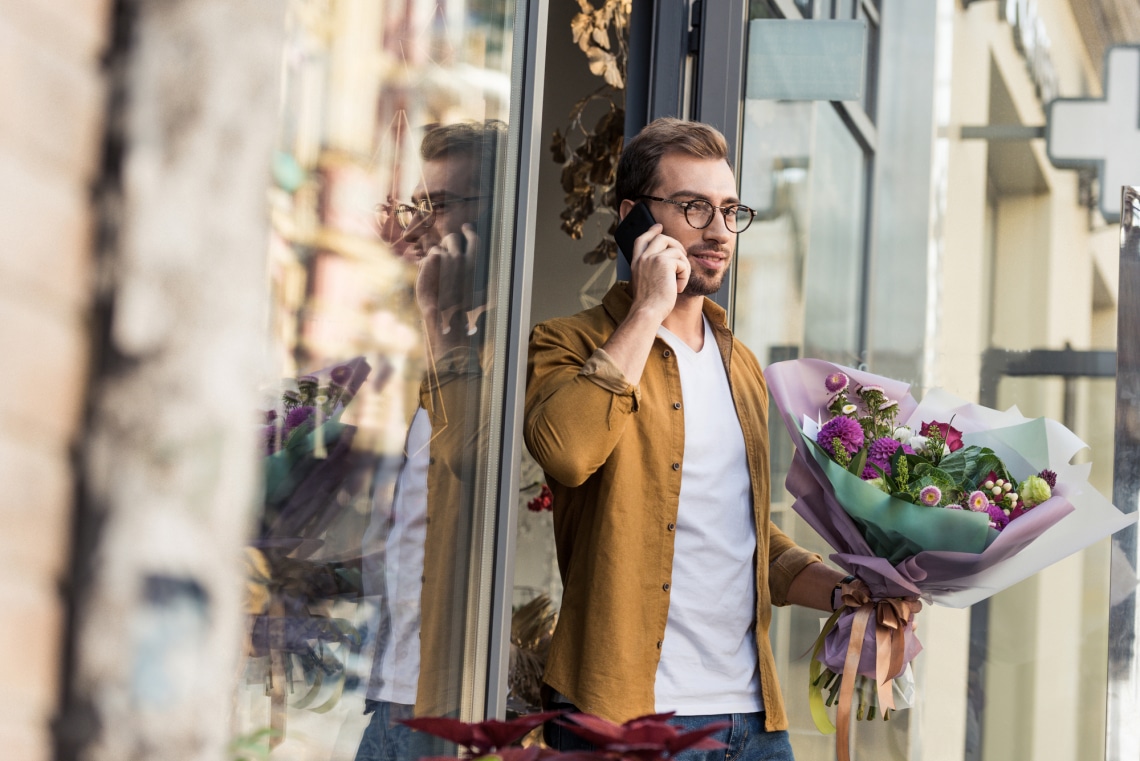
point(701, 283)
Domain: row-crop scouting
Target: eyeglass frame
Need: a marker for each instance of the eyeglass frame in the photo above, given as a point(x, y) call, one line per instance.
point(427, 216)
point(724, 211)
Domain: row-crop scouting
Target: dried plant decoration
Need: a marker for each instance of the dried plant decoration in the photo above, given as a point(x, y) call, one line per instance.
point(589, 155)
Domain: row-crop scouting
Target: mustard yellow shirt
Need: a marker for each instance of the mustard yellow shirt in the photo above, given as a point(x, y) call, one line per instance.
point(613, 454)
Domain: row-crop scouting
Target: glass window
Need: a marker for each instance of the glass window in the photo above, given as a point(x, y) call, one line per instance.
point(391, 212)
point(799, 292)
point(799, 272)
point(967, 240)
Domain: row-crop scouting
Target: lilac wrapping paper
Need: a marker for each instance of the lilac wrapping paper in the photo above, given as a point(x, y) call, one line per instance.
point(834, 653)
point(1075, 517)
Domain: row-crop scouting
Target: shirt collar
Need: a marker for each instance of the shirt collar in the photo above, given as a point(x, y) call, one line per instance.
point(619, 300)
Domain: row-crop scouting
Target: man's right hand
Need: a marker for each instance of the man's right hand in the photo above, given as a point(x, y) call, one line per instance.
point(660, 270)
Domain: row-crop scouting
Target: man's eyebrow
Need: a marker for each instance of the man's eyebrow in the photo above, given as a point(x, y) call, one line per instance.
point(435, 196)
point(730, 201)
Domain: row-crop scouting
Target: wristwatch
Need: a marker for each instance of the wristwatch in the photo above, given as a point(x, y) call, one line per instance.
point(838, 587)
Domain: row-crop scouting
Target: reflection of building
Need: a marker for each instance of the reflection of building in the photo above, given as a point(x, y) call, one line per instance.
point(895, 231)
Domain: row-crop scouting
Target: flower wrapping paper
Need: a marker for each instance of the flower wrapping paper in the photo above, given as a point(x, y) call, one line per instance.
point(947, 557)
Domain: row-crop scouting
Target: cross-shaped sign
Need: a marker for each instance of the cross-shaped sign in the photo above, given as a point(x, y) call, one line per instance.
point(1104, 133)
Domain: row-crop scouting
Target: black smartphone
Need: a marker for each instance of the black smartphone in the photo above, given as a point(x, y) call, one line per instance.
point(635, 223)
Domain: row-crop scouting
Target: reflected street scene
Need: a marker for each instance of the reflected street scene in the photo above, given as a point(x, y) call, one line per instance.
point(386, 222)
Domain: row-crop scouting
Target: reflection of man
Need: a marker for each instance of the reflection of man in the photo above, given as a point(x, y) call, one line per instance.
point(650, 420)
point(426, 539)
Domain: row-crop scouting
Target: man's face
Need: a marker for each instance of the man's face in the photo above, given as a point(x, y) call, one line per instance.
point(681, 177)
point(445, 181)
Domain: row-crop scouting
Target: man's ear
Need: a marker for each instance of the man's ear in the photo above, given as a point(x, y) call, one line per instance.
point(624, 207)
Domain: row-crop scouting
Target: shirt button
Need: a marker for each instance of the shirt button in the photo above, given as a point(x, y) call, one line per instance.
point(676, 466)
point(665, 586)
point(658, 644)
point(671, 526)
point(676, 405)
point(666, 354)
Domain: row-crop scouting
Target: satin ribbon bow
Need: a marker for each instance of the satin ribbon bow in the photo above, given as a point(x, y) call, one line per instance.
point(891, 616)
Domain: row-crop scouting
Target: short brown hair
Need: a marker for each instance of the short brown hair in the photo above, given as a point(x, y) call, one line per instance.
point(480, 140)
point(637, 167)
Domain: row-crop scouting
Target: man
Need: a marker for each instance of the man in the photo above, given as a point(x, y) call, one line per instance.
point(651, 422)
point(422, 572)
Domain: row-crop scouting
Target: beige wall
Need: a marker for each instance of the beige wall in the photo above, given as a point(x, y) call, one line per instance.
point(1035, 245)
point(50, 130)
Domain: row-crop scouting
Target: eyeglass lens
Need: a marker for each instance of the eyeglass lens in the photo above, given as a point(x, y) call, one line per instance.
point(407, 215)
point(699, 214)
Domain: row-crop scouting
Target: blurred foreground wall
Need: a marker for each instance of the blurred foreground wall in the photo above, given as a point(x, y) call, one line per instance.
point(131, 306)
point(51, 128)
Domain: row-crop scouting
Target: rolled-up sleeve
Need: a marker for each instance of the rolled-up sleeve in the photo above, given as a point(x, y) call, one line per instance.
point(576, 406)
point(786, 560)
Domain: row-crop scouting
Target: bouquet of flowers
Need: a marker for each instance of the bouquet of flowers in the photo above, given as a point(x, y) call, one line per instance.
point(943, 499)
point(309, 461)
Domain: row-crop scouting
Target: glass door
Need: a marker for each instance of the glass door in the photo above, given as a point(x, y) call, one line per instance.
point(403, 148)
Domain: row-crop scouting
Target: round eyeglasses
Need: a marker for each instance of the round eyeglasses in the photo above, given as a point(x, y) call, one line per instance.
point(420, 212)
point(699, 213)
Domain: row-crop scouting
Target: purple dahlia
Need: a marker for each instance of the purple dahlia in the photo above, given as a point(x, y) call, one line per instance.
point(846, 431)
point(998, 518)
point(880, 453)
point(297, 416)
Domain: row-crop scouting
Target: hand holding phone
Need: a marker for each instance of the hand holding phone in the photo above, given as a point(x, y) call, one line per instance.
point(632, 227)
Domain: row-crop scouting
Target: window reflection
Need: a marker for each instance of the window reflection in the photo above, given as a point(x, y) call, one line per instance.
point(386, 213)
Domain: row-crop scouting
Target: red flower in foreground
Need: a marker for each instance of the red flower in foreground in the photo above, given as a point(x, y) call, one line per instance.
point(951, 435)
point(484, 737)
point(646, 737)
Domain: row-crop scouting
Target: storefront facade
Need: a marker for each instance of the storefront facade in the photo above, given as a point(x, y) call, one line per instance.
point(437, 184)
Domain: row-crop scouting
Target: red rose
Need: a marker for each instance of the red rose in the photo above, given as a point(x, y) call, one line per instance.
point(951, 435)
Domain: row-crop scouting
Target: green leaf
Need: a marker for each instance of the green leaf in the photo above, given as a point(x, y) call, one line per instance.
point(929, 475)
point(988, 461)
point(957, 464)
point(859, 462)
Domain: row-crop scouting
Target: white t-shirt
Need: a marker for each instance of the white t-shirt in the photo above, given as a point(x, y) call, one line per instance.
point(708, 657)
point(396, 668)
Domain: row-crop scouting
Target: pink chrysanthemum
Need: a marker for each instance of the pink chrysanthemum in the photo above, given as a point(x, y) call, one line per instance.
point(836, 382)
point(848, 432)
point(978, 501)
point(953, 507)
point(930, 495)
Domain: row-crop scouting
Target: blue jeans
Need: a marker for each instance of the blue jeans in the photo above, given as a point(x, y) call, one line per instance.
point(747, 740)
point(386, 739)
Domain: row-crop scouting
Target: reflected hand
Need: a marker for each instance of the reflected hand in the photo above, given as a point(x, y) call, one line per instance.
point(445, 284)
